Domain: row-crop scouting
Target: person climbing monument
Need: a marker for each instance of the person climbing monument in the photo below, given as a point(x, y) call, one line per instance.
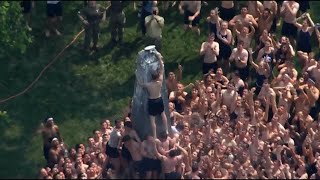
point(155, 102)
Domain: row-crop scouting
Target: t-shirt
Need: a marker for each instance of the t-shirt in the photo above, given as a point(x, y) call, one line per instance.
point(154, 30)
point(114, 138)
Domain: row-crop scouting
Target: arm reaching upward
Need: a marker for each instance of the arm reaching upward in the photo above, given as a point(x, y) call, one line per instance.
point(160, 59)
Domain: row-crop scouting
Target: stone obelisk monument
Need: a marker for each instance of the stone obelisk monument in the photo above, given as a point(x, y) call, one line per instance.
point(147, 63)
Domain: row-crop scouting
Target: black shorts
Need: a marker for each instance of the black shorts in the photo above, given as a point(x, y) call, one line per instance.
point(207, 66)
point(227, 14)
point(155, 106)
point(151, 164)
point(46, 150)
point(26, 5)
point(138, 166)
point(172, 175)
point(243, 72)
point(112, 152)
point(196, 20)
point(225, 51)
point(289, 30)
point(54, 10)
point(125, 153)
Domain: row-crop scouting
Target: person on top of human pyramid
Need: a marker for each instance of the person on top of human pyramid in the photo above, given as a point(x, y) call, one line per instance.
point(155, 102)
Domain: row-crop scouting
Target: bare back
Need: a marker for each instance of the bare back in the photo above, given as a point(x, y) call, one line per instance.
point(154, 89)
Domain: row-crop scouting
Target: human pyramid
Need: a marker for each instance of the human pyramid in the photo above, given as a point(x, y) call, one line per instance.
point(255, 113)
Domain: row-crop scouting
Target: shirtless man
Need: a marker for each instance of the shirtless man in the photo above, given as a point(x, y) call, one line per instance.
point(171, 161)
point(240, 57)
point(289, 11)
point(191, 11)
point(229, 96)
point(135, 151)
point(49, 131)
point(313, 95)
point(245, 34)
point(238, 82)
point(227, 10)
point(244, 18)
point(164, 143)
point(315, 73)
point(210, 51)
point(254, 7)
point(55, 153)
point(113, 146)
point(150, 162)
point(172, 80)
point(273, 7)
point(155, 102)
point(265, 21)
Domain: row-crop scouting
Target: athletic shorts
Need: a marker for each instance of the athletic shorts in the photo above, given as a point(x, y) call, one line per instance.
point(196, 20)
point(54, 10)
point(125, 153)
point(151, 164)
point(137, 166)
point(112, 152)
point(243, 72)
point(172, 175)
point(227, 14)
point(46, 150)
point(155, 106)
point(207, 66)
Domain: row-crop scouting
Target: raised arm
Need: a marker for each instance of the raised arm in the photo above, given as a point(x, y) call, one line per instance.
point(310, 30)
point(161, 69)
point(298, 25)
point(81, 17)
point(254, 65)
point(253, 30)
point(179, 76)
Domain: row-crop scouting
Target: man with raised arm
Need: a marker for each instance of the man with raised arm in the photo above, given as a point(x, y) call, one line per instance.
point(155, 102)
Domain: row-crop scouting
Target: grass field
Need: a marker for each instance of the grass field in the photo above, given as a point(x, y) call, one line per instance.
point(80, 90)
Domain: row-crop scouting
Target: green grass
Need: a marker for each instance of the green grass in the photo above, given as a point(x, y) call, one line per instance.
point(80, 90)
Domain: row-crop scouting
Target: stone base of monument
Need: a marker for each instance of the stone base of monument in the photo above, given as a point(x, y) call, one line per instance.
point(147, 63)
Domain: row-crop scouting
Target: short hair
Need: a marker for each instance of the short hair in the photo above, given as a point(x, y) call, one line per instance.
point(128, 124)
point(172, 153)
point(163, 135)
point(244, 6)
point(240, 43)
point(155, 75)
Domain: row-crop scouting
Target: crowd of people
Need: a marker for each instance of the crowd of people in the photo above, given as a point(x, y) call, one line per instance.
point(255, 113)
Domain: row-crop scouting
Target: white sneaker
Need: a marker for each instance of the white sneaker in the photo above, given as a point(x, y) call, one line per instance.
point(47, 33)
point(29, 28)
point(58, 33)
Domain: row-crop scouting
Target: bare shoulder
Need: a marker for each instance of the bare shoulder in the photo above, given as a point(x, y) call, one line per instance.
point(56, 127)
